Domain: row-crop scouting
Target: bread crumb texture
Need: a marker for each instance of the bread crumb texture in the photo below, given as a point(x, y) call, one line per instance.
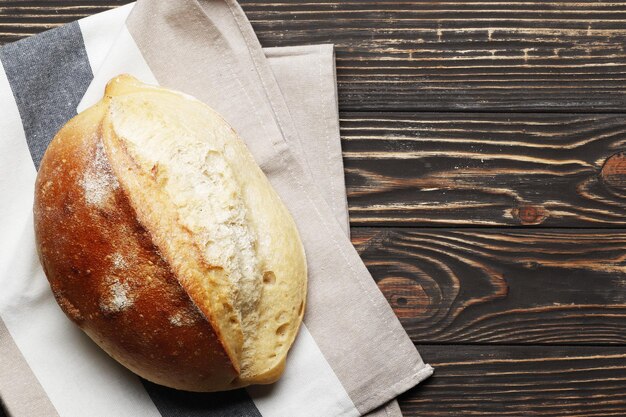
point(181, 160)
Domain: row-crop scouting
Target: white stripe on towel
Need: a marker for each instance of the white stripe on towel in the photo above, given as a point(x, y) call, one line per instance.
point(306, 366)
point(99, 33)
point(123, 58)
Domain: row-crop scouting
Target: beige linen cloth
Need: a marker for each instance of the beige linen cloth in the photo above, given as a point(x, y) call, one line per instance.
point(352, 356)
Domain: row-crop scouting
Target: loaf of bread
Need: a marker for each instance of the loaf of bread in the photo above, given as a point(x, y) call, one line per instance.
point(165, 242)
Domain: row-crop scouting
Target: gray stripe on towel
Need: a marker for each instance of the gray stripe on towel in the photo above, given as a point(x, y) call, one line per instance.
point(172, 403)
point(49, 74)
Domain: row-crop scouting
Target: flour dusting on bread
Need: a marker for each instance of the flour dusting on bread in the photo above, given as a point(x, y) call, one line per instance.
point(117, 297)
point(98, 181)
point(184, 317)
point(118, 261)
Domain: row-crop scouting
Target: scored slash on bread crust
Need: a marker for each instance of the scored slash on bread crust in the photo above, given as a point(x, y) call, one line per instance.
point(164, 241)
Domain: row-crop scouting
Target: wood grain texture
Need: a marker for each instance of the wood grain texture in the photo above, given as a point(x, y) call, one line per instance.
point(462, 55)
point(446, 169)
point(20, 18)
point(501, 286)
point(520, 381)
point(425, 55)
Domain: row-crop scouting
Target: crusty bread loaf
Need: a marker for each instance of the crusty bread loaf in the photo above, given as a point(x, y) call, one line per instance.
point(164, 241)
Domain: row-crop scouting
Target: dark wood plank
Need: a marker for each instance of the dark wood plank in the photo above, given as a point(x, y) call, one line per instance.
point(501, 286)
point(520, 381)
point(445, 169)
point(462, 55)
point(425, 55)
point(21, 18)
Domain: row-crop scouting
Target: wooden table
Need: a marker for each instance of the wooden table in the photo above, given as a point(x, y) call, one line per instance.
point(483, 151)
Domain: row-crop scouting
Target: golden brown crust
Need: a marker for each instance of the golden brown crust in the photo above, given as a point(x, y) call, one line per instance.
point(107, 275)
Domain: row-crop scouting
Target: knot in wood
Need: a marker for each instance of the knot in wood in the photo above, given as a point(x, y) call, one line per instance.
point(407, 298)
point(613, 172)
point(530, 214)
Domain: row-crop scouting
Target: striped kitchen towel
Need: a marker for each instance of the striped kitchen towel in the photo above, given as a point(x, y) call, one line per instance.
point(351, 358)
